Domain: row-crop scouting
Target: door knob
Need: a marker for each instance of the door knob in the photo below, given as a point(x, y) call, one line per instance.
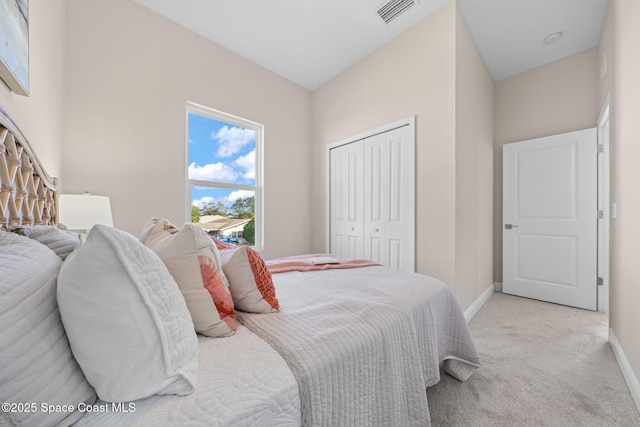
point(510, 226)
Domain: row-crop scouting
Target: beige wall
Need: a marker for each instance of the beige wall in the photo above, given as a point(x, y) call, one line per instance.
point(412, 75)
point(625, 175)
point(130, 74)
point(39, 116)
point(551, 99)
point(606, 56)
point(474, 168)
point(433, 71)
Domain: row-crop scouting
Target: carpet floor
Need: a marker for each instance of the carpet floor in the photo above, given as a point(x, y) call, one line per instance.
point(542, 365)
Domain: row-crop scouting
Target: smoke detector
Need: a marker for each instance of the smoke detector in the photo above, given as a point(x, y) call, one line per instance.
point(553, 38)
point(392, 9)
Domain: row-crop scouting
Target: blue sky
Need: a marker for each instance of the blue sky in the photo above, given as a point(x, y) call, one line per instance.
point(223, 153)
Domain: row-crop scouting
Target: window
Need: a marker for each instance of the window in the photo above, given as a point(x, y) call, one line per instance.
point(224, 175)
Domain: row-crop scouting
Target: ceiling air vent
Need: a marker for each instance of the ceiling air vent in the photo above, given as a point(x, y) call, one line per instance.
point(392, 9)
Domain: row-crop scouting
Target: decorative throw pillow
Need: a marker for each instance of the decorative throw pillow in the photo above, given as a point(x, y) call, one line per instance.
point(194, 262)
point(222, 245)
point(250, 281)
point(127, 322)
point(36, 363)
point(56, 238)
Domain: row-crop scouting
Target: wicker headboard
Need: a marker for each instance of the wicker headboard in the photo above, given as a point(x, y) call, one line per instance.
point(28, 195)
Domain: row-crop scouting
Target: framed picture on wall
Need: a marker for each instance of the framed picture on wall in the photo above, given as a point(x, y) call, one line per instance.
point(14, 45)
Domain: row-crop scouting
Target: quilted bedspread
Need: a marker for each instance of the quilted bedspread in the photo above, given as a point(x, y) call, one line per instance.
point(242, 382)
point(364, 344)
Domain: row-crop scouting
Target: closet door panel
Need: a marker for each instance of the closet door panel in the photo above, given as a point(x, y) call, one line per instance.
point(396, 196)
point(388, 198)
point(338, 223)
point(355, 221)
point(347, 201)
point(400, 202)
point(395, 248)
point(374, 247)
point(376, 193)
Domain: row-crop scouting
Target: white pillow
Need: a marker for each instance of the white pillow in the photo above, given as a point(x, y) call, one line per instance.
point(127, 322)
point(59, 240)
point(36, 363)
point(194, 262)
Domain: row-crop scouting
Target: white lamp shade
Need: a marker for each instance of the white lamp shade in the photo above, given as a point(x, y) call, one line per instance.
point(83, 211)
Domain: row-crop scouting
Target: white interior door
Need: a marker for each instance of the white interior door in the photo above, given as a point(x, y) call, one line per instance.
point(550, 219)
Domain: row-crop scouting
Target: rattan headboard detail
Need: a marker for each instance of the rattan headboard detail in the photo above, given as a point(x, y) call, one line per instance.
point(28, 195)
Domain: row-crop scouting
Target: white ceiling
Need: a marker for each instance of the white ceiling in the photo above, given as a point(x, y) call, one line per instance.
point(311, 41)
point(510, 33)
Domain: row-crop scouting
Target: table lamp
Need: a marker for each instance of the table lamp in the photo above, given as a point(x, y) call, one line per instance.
point(80, 212)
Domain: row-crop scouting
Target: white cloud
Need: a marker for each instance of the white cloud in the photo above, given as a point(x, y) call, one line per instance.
point(212, 172)
point(248, 164)
point(232, 140)
point(200, 203)
point(239, 194)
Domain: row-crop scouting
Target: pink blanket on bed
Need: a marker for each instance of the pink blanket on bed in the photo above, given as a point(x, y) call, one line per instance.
point(303, 263)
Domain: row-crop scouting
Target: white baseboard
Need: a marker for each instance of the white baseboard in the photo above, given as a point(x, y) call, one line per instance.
point(477, 304)
point(498, 286)
point(625, 367)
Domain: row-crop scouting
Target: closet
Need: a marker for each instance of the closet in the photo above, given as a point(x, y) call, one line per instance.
point(371, 196)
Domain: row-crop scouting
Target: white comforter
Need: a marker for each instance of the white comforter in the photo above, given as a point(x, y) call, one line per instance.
point(242, 381)
point(365, 343)
point(352, 364)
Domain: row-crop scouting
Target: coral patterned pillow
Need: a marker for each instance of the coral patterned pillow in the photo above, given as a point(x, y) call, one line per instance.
point(194, 262)
point(223, 245)
point(250, 281)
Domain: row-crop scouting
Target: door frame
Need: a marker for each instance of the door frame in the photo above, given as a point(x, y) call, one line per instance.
point(604, 204)
point(407, 121)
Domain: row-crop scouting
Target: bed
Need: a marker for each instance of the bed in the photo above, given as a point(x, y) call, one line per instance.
point(111, 330)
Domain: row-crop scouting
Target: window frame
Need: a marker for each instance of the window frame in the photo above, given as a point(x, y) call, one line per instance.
point(193, 108)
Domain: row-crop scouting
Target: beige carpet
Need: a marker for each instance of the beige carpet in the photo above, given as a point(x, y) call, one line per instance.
point(542, 365)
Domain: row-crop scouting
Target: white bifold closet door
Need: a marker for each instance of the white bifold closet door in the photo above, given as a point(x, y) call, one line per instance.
point(372, 199)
